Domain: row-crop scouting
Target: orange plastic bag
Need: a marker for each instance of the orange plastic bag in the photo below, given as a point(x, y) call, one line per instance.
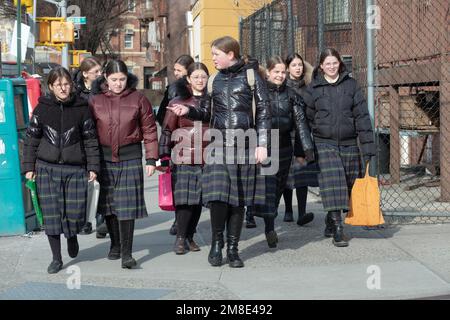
point(365, 202)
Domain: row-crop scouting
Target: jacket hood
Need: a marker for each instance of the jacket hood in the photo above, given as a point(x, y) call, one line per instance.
point(319, 79)
point(182, 88)
point(100, 86)
point(73, 101)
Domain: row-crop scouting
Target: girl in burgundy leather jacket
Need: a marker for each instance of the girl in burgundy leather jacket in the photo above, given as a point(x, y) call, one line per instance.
point(187, 156)
point(124, 119)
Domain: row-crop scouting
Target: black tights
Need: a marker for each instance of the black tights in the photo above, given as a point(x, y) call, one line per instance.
point(187, 218)
point(302, 196)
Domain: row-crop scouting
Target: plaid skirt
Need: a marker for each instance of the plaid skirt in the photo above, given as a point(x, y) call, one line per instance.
point(275, 185)
point(122, 189)
point(62, 194)
point(186, 182)
point(339, 167)
point(238, 183)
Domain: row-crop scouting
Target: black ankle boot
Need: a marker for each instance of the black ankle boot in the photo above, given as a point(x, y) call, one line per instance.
point(126, 239)
point(306, 218)
point(339, 238)
point(234, 261)
point(215, 254)
point(112, 224)
point(329, 229)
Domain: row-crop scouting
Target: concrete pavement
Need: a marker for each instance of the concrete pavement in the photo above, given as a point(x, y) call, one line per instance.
point(396, 262)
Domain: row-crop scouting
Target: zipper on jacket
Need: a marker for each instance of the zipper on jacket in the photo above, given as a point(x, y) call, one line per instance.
point(61, 135)
point(278, 109)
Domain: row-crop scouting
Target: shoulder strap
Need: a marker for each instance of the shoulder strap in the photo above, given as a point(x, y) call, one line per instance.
point(251, 83)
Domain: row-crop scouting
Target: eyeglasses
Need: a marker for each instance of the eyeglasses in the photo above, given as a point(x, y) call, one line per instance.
point(63, 85)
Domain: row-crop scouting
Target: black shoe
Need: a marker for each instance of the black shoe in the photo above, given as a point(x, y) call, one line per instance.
point(288, 216)
point(54, 266)
point(306, 218)
point(72, 247)
point(234, 261)
point(339, 238)
point(87, 228)
point(101, 231)
point(272, 239)
point(250, 222)
point(129, 263)
point(173, 229)
point(114, 253)
point(215, 254)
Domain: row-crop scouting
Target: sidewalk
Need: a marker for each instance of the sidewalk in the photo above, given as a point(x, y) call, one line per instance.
point(412, 261)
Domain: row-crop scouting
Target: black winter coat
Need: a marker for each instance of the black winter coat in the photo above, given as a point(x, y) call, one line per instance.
point(288, 114)
point(80, 88)
point(61, 133)
point(338, 113)
point(172, 91)
point(231, 98)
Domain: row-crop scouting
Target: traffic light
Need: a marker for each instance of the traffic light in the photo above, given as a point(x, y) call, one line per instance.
point(61, 31)
point(26, 3)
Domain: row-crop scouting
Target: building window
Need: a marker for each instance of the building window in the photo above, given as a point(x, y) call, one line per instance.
point(157, 85)
point(337, 11)
point(148, 4)
point(129, 39)
point(132, 5)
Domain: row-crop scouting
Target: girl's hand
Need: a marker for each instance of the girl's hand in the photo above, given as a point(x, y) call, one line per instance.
point(301, 160)
point(179, 109)
point(260, 154)
point(30, 175)
point(150, 170)
point(92, 176)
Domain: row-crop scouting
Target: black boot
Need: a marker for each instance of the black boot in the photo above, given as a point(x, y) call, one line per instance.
point(288, 214)
point(112, 224)
point(302, 197)
point(234, 228)
point(126, 240)
point(329, 230)
point(339, 239)
point(72, 246)
point(219, 213)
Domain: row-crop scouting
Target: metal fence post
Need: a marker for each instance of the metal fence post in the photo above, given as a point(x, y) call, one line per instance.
point(320, 24)
point(252, 36)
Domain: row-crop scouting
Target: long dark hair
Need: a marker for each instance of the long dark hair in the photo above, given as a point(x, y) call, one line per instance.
point(115, 66)
point(327, 53)
point(59, 73)
point(185, 60)
point(291, 58)
point(197, 66)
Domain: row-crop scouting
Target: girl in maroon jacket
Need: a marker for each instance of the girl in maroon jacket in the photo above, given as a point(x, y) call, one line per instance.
point(187, 151)
point(124, 118)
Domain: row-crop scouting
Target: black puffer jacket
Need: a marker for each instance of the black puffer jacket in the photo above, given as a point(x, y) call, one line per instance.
point(287, 115)
point(61, 133)
point(80, 88)
point(172, 91)
point(338, 113)
point(232, 103)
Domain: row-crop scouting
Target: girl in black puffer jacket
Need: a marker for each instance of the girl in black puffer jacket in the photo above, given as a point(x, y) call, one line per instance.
point(229, 187)
point(337, 111)
point(287, 115)
point(61, 152)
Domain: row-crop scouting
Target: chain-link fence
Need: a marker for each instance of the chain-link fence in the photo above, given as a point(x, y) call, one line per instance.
point(411, 82)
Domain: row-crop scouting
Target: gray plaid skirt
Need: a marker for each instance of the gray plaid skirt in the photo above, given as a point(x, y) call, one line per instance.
point(62, 194)
point(122, 189)
point(275, 185)
point(186, 182)
point(238, 184)
point(339, 167)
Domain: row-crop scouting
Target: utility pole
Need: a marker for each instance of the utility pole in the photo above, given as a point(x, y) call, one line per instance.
point(19, 37)
point(62, 6)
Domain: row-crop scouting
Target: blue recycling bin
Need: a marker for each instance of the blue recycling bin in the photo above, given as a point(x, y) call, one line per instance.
point(15, 203)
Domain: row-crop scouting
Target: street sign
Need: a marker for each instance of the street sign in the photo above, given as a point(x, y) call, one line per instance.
point(77, 20)
point(76, 34)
